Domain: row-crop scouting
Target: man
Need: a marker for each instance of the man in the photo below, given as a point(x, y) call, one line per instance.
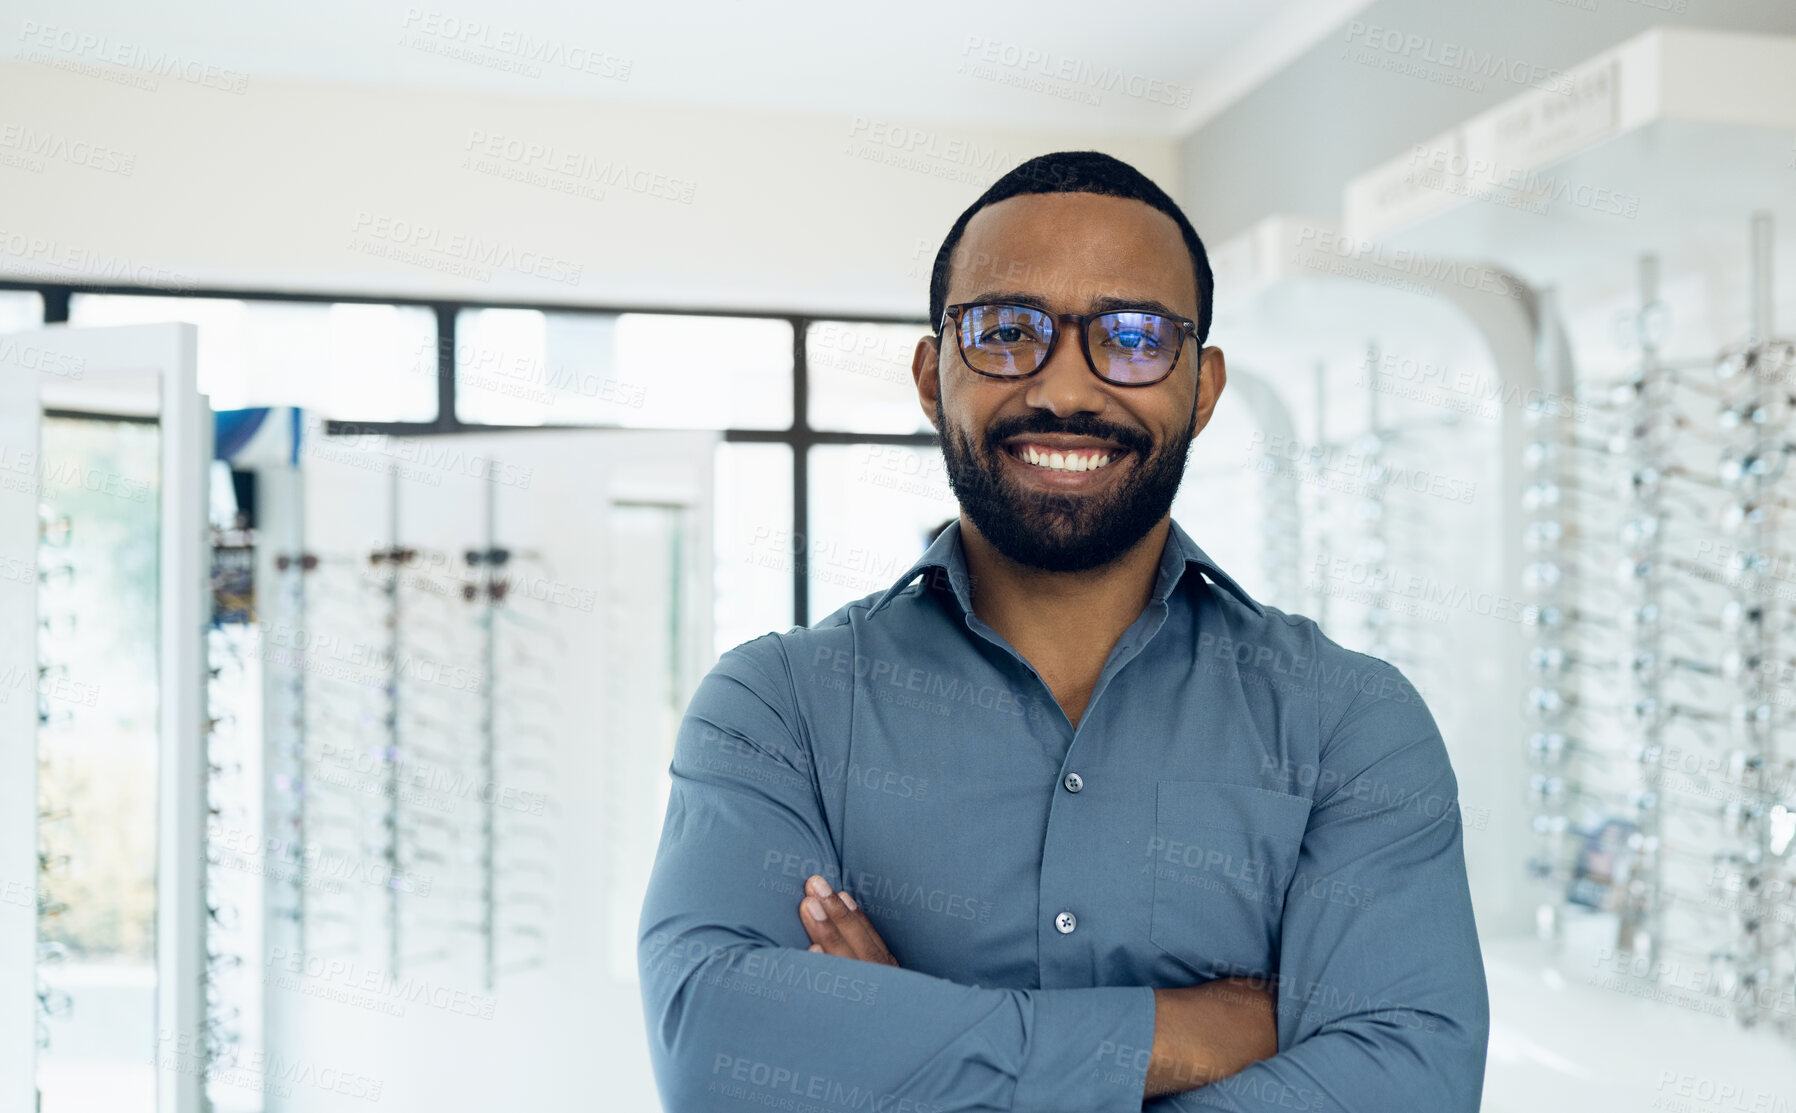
point(1062, 825)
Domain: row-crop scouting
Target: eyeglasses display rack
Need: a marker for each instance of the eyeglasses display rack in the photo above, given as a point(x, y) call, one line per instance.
point(1370, 533)
point(1660, 571)
point(520, 709)
point(422, 702)
point(1755, 876)
point(236, 860)
point(56, 571)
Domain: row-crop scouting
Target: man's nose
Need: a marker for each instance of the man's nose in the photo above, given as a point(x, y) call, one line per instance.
point(1065, 383)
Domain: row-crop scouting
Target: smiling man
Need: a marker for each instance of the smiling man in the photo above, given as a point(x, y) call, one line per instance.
point(1063, 820)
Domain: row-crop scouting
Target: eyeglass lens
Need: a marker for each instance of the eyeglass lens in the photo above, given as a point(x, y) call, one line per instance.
point(1125, 347)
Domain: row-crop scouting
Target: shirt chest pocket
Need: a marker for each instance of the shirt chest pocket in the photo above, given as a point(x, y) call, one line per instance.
point(1222, 856)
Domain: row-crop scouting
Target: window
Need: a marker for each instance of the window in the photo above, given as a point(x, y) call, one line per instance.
point(860, 377)
point(753, 524)
point(379, 367)
point(20, 309)
point(642, 370)
point(872, 507)
point(346, 360)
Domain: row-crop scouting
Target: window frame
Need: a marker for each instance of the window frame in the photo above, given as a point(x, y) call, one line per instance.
point(799, 438)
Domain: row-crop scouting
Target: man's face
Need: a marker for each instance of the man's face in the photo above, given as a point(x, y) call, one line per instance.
point(1064, 252)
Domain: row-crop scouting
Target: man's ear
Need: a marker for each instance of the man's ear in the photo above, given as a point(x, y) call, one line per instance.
point(925, 369)
point(1212, 377)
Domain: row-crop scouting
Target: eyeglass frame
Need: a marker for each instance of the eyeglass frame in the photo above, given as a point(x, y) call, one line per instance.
point(1082, 321)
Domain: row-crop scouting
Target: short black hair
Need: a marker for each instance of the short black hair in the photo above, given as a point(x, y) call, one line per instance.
point(1076, 172)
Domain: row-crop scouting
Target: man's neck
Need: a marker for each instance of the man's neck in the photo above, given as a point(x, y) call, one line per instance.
point(1076, 614)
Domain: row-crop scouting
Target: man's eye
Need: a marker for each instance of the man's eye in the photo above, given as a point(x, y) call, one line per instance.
point(1132, 339)
point(1004, 334)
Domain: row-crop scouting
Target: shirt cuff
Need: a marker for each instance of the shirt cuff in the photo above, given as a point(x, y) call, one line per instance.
point(1088, 1050)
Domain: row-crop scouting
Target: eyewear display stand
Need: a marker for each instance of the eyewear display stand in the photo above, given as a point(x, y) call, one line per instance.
point(476, 650)
point(143, 374)
point(1405, 389)
point(1665, 779)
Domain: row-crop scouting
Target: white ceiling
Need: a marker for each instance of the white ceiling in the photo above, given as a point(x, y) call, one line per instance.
point(804, 56)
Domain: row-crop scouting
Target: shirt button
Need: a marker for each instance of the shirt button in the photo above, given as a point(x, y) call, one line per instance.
point(1065, 923)
point(1073, 782)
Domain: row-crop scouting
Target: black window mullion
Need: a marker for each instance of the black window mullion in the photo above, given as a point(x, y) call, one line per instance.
point(447, 420)
point(801, 478)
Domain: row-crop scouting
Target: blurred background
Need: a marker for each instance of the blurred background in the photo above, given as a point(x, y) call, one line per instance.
point(402, 407)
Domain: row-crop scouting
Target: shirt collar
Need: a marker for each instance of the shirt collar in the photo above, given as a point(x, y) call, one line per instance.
point(945, 559)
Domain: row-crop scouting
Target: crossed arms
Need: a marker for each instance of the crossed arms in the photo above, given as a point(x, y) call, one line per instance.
point(751, 1002)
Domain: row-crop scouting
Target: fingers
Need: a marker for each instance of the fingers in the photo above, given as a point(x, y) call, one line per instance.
point(826, 935)
point(844, 929)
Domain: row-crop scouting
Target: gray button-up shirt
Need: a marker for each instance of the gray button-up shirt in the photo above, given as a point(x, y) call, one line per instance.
point(1250, 798)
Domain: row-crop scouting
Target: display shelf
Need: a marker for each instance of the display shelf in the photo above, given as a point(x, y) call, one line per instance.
point(1662, 143)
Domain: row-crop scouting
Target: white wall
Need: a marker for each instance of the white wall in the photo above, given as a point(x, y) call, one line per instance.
point(269, 187)
point(1289, 145)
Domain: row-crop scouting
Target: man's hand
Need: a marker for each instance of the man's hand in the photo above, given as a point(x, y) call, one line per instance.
point(1210, 1031)
point(837, 926)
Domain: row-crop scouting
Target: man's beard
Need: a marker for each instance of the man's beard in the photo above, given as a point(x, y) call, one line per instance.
point(1062, 532)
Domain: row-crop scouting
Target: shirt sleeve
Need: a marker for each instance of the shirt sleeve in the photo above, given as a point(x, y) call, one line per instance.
point(1382, 1001)
point(742, 1016)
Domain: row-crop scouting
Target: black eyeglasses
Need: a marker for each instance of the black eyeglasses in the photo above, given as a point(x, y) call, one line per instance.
point(1003, 341)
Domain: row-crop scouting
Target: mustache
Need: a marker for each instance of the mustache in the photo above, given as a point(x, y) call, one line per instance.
point(1079, 425)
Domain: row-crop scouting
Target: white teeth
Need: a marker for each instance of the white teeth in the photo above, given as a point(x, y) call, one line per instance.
point(1060, 461)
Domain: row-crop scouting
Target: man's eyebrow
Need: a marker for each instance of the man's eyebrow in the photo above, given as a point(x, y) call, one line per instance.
point(1107, 303)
